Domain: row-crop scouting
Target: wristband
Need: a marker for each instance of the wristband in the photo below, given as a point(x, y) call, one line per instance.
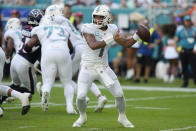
point(135, 37)
point(108, 38)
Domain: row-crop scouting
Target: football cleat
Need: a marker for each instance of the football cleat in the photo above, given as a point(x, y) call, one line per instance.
point(80, 121)
point(102, 100)
point(45, 101)
point(122, 119)
point(25, 100)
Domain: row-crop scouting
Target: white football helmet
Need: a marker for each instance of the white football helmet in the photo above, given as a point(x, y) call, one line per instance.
point(13, 23)
point(46, 20)
point(54, 10)
point(101, 10)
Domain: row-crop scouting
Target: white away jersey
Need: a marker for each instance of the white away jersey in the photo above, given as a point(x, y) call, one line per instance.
point(75, 36)
point(52, 36)
point(16, 36)
point(98, 56)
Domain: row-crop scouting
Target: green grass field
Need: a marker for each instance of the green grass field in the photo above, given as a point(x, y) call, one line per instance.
point(147, 110)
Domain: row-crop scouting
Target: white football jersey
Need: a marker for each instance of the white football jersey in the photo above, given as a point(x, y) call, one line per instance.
point(98, 56)
point(52, 36)
point(16, 36)
point(75, 36)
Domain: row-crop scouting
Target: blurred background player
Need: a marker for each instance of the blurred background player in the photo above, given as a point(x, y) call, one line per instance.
point(22, 72)
point(2, 62)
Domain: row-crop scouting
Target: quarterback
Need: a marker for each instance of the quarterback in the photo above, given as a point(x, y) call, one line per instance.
point(98, 36)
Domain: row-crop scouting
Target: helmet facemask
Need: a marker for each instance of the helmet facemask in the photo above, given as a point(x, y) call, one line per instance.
point(103, 11)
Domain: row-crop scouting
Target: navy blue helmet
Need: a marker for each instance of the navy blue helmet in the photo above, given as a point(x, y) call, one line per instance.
point(34, 17)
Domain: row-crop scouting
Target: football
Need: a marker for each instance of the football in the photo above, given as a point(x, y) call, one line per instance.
point(1, 112)
point(144, 33)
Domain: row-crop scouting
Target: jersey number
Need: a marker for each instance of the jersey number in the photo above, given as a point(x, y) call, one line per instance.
point(51, 28)
point(101, 52)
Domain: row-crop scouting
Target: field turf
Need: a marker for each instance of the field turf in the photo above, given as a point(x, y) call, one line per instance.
point(147, 110)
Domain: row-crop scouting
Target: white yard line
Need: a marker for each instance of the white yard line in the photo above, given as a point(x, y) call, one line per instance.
point(37, 104)
point(143, 88)
point(22, 127)
point(179, 129)
point(152, 108)
point(92, 129)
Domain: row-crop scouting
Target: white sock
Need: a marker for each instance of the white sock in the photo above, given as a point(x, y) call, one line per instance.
point(69, 94)
point(121, 104)
point(81, 104)
point(16, 94)
point(4, 90)
point(95, 90)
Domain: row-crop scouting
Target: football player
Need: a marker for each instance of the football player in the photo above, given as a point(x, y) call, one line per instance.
point(98, 36)
point(55, 53)
point(2, 62)
point(77, 44)
point(23, 97)
point(22, 63)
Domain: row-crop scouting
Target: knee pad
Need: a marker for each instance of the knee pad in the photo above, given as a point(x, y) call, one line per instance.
point(116, 90)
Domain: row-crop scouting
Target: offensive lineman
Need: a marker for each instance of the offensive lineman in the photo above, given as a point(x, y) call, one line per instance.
point(94, 65)
point(77, 44)
point(55, 54)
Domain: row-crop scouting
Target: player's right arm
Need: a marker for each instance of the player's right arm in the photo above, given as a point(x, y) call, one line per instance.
point(92, 42)
point(33, 41)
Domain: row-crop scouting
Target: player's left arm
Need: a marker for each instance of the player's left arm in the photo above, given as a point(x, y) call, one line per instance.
point(32, 42)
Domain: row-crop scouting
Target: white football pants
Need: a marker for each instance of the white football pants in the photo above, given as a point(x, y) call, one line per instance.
point(22, 73)
point(76, 59)
point(54, 60)
point(88, 75)
point(2, 62)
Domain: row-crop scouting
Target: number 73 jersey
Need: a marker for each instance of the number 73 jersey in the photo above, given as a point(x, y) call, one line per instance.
point(98, 56)
point(52, 36)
